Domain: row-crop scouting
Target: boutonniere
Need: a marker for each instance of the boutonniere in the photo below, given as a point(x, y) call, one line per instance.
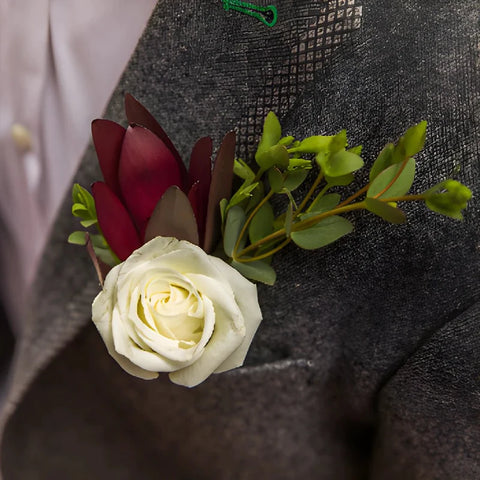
point(176, 250)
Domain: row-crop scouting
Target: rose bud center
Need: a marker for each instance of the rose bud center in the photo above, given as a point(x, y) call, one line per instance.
point(173, 310)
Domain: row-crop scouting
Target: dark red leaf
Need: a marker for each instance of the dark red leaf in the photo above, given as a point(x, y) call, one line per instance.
point(108, 139)
point(199, 207)
point(173, 217)
point(115, 222)
point(147, 169)
point(199, 179)
point(138, 114)
point(200, 168)
point(221, 187)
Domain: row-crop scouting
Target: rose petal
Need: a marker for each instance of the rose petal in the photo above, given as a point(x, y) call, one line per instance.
point(102, 309)
point(168, 348)
point(221, 187)
point(244, 291)
point(147, 169)
point(137, 113)
point(115, 222)
point(143, 358)
point(108, 139)
point(227, 336)
point(179, 256)
point(173, 217)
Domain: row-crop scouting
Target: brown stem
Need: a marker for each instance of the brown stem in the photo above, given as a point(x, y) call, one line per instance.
point(355, 195)
point(404, 198)
point(394, 179)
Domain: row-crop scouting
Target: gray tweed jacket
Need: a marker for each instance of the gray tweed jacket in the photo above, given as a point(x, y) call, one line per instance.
point(374, 370)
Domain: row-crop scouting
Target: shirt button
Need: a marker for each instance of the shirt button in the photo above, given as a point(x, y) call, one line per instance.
point(21, 137)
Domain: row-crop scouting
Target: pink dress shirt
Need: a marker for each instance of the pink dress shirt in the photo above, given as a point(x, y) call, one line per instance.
point(59, 63)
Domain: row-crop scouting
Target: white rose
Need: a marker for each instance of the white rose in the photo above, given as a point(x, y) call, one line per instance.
point(170, 307)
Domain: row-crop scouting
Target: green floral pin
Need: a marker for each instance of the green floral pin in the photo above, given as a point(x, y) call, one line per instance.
point(267, 15)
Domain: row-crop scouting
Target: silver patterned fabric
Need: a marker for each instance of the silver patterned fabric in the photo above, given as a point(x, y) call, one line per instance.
point(366, 364)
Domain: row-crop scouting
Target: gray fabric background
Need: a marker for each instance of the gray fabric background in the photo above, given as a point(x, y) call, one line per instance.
point(366, 364)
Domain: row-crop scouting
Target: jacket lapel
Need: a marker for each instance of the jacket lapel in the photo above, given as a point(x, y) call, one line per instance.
point(201, 71)
point(339, 322)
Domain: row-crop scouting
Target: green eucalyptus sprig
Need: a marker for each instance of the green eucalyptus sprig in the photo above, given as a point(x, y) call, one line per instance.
point(253, 232)
point(83, 207)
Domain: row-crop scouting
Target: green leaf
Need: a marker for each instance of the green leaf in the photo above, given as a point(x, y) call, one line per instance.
point(245, 191)
point(235, 221)
point(242, 170)
point(338, 142)
point(342, 163)
point(414, 138)
point(289, 219)
point(315, 144)
point(356, 150)
point(294, 179)
point(275, 179)
point(98, 241)
point(299, 163)
point(78, 195)
point(256, 198)
point(323, 233)
point(81, 195)
point(448, 198)
point(322, 158)
point(274, 156)
point(79, 210)
point(399, 153)
point(272, 132)
point(392, 185)
point(383, 161)
point(88, 223)
point(325, 203)
point(83, 204)
point(103, 251)
point(385, 211)
point(106, 256)
point(223, 209)
point(262, 223)
point(286, 140)
point(340, 181)
point(257, 270)
point(77, 238)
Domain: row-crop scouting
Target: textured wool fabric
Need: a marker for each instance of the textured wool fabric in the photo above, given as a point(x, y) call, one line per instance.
point(366, 364)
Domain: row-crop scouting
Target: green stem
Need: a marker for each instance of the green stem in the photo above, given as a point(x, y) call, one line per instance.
point(355, 195)
point(301, 226)
point(308, 222)
point(259, 174)
point(320, 195)
point(266, 254)
point(309, 194)
point(249, 219)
